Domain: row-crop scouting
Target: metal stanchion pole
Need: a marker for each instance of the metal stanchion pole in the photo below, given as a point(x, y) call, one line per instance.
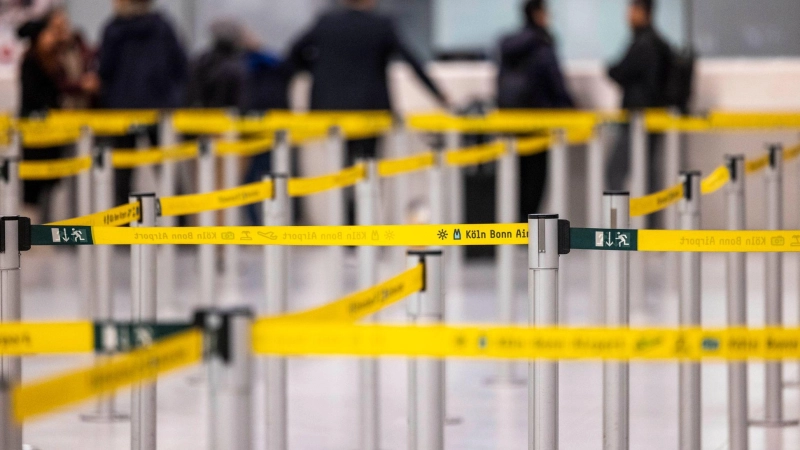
point(455, 208)
point(737, 305)
point(616, 264)
point(336, 211)
point(672, 166)
point(369, 370)
point(639, 163)
point(596, 164)
point(276, 213)
point(103, 306)
point(8, 431)
point(235, 389)
point(689, 373)
point(143, 305)
point(11, 306)
point(507, 205)
point(11, 185)
point(543, 256)
point(230, 169)
point(427, 376)
point(167, 138)
point(399, 196)
point(773, 300)
point(206, 166)
point(558, 168)
point(84, 201)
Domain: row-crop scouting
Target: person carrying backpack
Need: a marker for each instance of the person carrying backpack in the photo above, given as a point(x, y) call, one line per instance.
point(644, 76)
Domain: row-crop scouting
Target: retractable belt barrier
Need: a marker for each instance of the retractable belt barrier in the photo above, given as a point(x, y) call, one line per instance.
point(424, 236)
point(661, 200)
point(490, 342)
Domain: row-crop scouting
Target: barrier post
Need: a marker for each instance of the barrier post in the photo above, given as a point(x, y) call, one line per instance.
point(206, 183)
point(167, 138)
point(543, 256)
point(10, 186)
point(369, 370)
point(672, 165)
point(639, 164)
point(455, 207)
point(8, 431)
point(84, 202)
point(335, 148)
point(235, 382)
point(426, 401)
point(616, 264)
point(689, 373)
point(558, 168)
point(231, 217)
point(11, 306)
point(507, 204)
point(103, 306)
point(399, 196)
point(276, 213)
point(773, 300)
point(143, 305)
point(737, 305)
point(594, 188)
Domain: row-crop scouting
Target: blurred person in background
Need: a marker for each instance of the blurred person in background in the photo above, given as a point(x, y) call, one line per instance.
point(44, 84)
point(142, 65)
point(530, 77)
point(268, 78)
point(219, 76)
point(644, 76)
point(347, 51)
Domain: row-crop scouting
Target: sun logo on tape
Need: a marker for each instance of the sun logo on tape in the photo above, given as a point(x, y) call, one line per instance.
point(389, 235)
point(442, 235)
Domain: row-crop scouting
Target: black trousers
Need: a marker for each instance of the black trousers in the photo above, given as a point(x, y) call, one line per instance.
point(532, 181)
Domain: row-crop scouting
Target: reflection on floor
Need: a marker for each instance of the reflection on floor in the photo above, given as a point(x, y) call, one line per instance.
point(323, 392)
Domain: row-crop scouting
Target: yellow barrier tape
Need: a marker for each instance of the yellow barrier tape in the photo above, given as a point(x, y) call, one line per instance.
point(506, 121)
point(719, 241)
point(103, 122)
point(652, 203)
point(145, 364)
point(715, 181)
point(130, 158)
point(114, 217)
point(487, 342)
point(534, 145)
point(791, 153)
point(379, 235)
point(245, 148)
point(203, 121)
point(479, 154)
point(661, 121)
point(41, 135)
point(750, 120)
point(32, 338)
point(182, 205)
point(302, 187)
point(361, 304)
point(579, 136)
point(752, 166)
point(54, 169)
point(394, 167)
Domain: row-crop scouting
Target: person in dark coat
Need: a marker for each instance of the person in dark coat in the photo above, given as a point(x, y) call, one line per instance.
point(347, 53)
point(530, 77)
point(643, 75)
point(219, 76)
point(142, 65)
